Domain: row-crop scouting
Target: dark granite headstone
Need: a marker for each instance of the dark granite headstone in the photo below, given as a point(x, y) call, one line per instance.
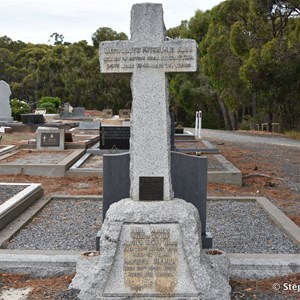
point(189, 181)
point(32, 119)
point(114, 137)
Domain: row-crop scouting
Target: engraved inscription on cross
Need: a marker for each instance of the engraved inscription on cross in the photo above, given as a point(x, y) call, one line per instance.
point(148, 56)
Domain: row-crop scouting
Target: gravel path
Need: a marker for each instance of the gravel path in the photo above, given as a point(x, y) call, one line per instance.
point(237, 227)
point(8, 191)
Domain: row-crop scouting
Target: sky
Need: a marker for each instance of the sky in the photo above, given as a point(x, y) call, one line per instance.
point(34, 21)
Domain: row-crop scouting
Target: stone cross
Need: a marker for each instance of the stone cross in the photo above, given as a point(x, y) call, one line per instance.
point(5, 110)
point(148, 56)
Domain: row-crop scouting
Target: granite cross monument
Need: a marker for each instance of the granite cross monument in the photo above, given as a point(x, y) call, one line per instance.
point(150, 249)
point(148, 56)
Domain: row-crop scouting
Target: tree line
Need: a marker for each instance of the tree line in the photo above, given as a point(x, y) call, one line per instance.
point(248, 67)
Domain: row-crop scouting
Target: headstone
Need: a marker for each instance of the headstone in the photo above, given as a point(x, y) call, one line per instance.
point(5, 110)
point(151, 249)
point(50, 139)
point(67, 110)
point(40, 111)
point(79, 111)
point(114, 137)
point(89, 125)
point(124, 113)
point(107, 113)
point(31, 119)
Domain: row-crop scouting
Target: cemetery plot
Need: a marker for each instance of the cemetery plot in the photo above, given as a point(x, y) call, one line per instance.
point(65, 223)
point(245, 227)
point(8, 191)
point(39, 163)
point(88, 164)
point(237, 225)
point(15, 198)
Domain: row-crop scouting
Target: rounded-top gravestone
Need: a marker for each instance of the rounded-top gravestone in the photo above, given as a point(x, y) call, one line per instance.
point(5, 110)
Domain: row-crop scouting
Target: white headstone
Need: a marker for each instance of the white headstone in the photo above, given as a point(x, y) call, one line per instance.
point(5, 110)
point(148, 56)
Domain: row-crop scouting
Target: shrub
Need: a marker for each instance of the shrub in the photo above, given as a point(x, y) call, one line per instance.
point(18, 107)
point(51, 104)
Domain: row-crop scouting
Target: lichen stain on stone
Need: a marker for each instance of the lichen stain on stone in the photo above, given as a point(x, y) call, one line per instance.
point(166, 285)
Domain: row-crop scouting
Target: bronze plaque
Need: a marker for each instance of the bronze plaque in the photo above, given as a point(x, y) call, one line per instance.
point(151, 188)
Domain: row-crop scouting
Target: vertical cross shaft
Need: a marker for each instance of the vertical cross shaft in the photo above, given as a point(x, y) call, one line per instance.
point(148, 56)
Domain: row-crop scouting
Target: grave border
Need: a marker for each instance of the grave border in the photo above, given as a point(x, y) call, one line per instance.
point(15, 205)
point(247, 266)
point(53, 170)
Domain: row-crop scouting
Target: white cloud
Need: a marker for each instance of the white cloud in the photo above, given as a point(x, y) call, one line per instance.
point(35, 20)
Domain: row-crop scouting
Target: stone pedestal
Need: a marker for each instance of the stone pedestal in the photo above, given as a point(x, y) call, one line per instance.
point(152, 250)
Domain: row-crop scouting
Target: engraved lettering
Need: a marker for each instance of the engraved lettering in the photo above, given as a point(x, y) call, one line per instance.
point(150, 260)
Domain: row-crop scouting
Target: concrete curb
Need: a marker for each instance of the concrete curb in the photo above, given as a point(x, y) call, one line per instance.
point(14, 206)
point(53, 170)
point(7, 149)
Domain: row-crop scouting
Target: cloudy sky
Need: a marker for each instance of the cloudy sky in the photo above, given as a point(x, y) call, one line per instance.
point(34, 21)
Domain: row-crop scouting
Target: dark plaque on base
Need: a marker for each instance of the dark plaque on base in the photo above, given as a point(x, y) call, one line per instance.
point(151, 188)
point(50, 139)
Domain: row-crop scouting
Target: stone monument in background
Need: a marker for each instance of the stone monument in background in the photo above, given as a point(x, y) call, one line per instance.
point(150, 246)
point(5, 110)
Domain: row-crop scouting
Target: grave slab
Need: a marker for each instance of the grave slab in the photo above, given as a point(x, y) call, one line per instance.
point(243, 265)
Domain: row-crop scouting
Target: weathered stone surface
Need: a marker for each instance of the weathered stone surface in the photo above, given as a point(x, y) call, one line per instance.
point(151, 249)
point(148, 55)
point(130, 231)
point(5, 110)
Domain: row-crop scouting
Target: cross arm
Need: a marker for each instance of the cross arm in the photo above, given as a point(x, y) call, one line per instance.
point(178, 55)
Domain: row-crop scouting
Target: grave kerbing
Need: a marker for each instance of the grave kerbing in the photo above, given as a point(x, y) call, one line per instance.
point(150, 249)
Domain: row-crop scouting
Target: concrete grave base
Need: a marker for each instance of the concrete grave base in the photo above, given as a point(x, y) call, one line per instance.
point(14, 206)
point(150, 250)
point(43, 169)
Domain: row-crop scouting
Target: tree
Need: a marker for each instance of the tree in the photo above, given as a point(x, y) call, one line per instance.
point(106, 34)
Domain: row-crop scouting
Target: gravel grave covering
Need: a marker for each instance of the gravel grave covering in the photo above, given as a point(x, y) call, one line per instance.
point(93, 161)
point(8, 191)
point(69, 224)
point(244, 227)
point(36, 157)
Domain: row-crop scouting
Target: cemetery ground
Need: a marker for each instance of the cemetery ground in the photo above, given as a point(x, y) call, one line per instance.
point(271, 171)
